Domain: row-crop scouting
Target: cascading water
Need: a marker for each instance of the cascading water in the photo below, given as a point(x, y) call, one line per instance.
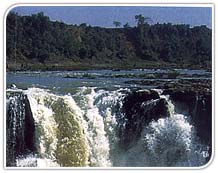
point(172, 142)
point(86, 128)
point(60, 126)
point(96, 135)
point(19, 127)
point(101, 123)
point(15, 117)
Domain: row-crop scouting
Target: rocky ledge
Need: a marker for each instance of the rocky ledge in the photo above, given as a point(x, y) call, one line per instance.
point(139, 109)
point(192, 98)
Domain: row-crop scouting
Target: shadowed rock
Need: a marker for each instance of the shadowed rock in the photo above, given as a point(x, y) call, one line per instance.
point(198, 106)
point(140, 108)
point(19, 128)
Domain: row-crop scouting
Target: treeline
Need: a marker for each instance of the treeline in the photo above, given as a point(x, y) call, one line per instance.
point(35, 42)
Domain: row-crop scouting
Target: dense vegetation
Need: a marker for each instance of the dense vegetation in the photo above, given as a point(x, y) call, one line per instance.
point(36, 42)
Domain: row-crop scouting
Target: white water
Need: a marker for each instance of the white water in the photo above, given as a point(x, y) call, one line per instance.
point(101, 121)
point(33, 161)
point(91, 121)
point(46, 125)
point(98, 142)
point(166, 142)
point(172, 142)
point(45, 122)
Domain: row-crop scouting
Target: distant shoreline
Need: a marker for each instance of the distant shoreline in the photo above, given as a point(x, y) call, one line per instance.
point(47, 45)
point(52, 67)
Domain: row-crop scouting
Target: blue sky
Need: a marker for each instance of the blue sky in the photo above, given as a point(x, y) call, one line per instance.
point(105, 15)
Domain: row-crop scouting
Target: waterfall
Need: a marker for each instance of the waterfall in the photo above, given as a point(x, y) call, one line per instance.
point(60, 128)
point(100, 114)
point(169, 141)
point(96, 135)
point(15, 124)
point(88, 129)
point(19, 127)
point(172, 142)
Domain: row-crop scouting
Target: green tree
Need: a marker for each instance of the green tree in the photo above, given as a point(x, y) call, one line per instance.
point(117, 24)
point(141, 20)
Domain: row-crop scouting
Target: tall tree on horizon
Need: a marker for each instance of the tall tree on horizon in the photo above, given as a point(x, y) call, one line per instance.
point(117, 24)
point(141, 20)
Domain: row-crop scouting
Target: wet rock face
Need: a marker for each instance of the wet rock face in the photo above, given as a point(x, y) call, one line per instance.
point(183, 96)
point(198, 106)
point(140, 108)
point(184, 100)
point(19, 127)
point(202, 118)
point(29, 128)
point(14, 132)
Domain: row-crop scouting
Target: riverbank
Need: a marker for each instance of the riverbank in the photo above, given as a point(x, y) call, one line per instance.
point(69, 66)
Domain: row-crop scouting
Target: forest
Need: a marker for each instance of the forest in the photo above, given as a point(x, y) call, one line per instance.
point(37, 43)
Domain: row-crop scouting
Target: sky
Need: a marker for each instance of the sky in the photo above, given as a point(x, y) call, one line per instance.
point(105, 15)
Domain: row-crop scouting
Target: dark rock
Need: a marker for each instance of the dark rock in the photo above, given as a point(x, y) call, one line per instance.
point(139, 97)
point(191, 97)
point(202, 118)
point(29, 127)
point(13, 86)
point(139, 109)
point(20, 128)
point(183, 96)
point(198, 106)
point(14, 128)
